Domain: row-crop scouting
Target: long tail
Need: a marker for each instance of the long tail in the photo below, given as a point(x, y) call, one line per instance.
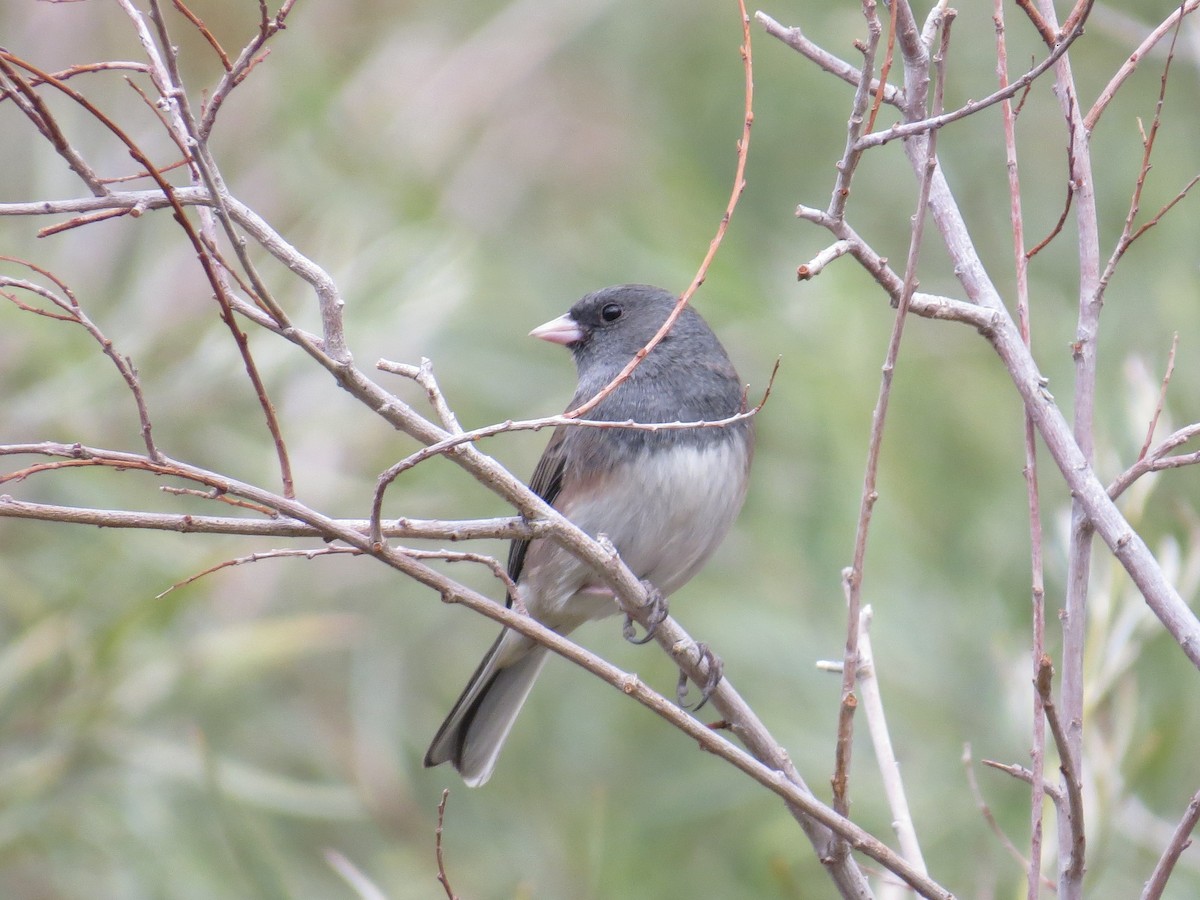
point(473, 733)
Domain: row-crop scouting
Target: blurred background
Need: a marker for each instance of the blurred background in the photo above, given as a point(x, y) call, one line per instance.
point(466, 171)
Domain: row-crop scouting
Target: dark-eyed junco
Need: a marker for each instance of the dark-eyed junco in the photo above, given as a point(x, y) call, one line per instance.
point(665, 499)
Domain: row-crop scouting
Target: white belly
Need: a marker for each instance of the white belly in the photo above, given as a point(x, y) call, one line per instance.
point(678, 506)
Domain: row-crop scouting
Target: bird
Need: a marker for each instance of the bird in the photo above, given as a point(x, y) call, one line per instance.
point(664, 498)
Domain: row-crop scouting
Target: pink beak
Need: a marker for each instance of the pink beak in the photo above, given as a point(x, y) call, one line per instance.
point(563, 330)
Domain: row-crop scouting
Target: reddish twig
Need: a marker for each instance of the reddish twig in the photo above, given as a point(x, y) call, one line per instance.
point(1069, 765)
point(205, 33)
point(884, 68)
point(1162, 397)
point(257, 557)
point(206, 262)
point(492, 563)
point(82, 69)
point(168, 80)
point(739, 185)
point(32, 105)
point(88, 219)
point(73, 312)
point(1033, 866)
point(1066, 210)
point(1048, 34)
point(1128, 234)
point(1166, 26)
point(214, 494)
point(852, 575)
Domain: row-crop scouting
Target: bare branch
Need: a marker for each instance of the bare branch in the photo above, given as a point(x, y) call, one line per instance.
point(1180, 840)
point(852, 75)
point(505, 529)
point(941, 120)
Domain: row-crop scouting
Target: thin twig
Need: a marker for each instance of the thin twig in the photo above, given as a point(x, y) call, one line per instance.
point(940, 120)
point(1128, 234)
point(459, 438)
point(1162, 397)
point(1070, 770)
point(1071, 186)
point(1033, 866)
point(1023, 774)
point(986, 811)
point(205, 33)
point(36, 110)
point(504, 528)
point(834, 65)
point(1164, 28)
point(1181, 839)
point(1156, 459)
point(74, 313)
point(739, 185)
point(312, 553)
point(884, 68)
point(848, 164)
point(853, 575)
point(214, 495)
point(442, 877)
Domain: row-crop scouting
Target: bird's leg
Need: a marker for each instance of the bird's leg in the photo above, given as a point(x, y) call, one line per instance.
point(656, 605)
point(714, 670)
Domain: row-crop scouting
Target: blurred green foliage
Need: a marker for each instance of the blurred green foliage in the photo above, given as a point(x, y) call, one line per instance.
point(465, 171)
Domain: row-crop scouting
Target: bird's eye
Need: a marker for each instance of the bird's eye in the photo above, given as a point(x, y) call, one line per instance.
point(611, 312)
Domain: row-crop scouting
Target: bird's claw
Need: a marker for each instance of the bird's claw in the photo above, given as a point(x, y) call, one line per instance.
point(714, 670)
point(656, 605)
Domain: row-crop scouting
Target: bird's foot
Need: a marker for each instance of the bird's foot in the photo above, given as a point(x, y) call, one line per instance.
point(714, 670)
point(656, 604)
